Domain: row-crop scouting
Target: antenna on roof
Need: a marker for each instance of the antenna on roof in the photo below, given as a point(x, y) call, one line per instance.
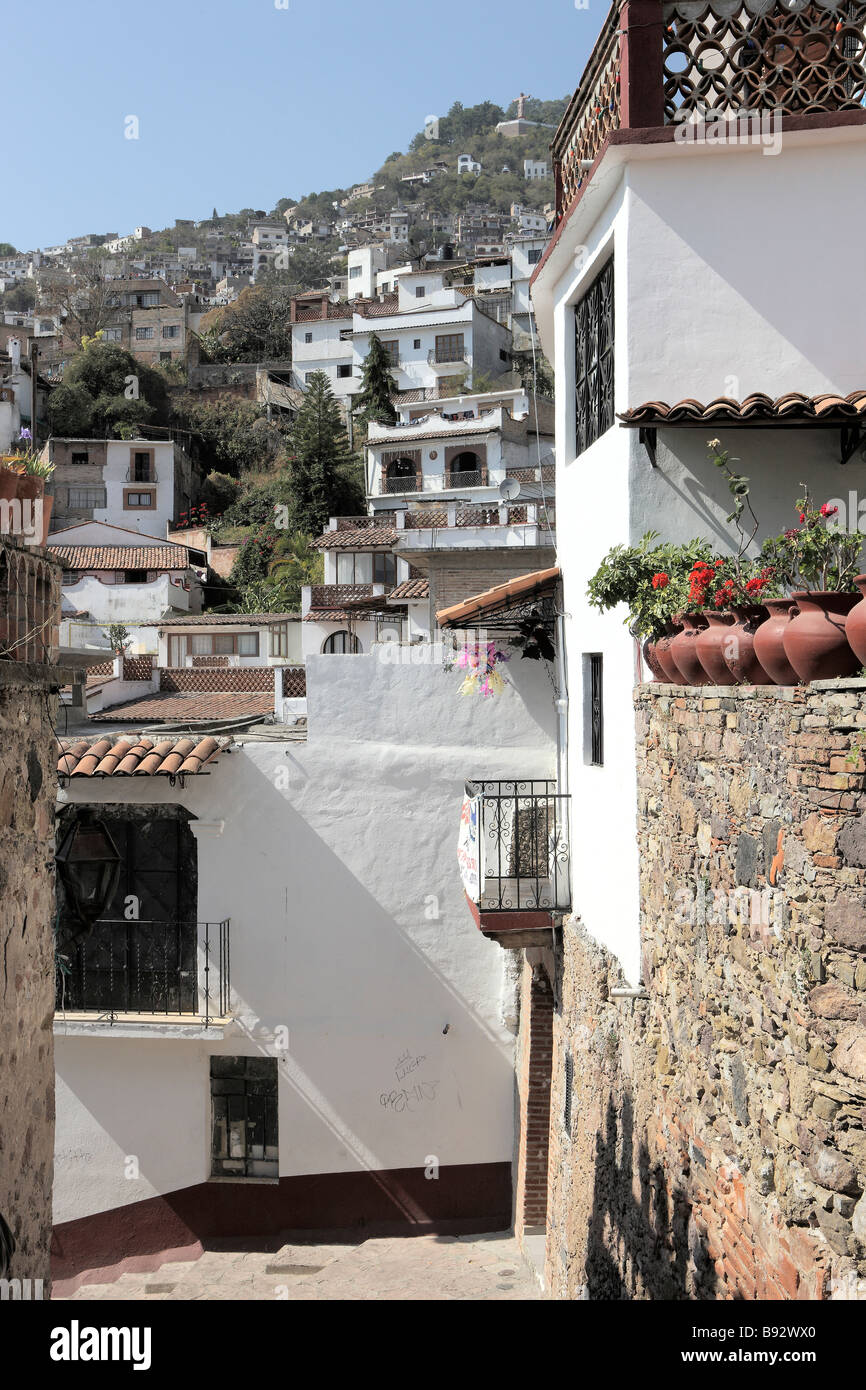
point(509, 488)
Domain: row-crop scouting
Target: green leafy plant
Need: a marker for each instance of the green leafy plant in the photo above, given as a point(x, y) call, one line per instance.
point(654, 580)
point(817, 553)
point(119, 638)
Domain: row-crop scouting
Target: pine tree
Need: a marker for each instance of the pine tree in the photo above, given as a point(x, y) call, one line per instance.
point(325, 474)
point(373, 401)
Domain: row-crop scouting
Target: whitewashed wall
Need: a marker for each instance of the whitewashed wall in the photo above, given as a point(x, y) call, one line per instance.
point(336, 861)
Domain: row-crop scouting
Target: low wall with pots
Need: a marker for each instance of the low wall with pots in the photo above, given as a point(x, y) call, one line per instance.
point(708, 1137)
point(809, 636)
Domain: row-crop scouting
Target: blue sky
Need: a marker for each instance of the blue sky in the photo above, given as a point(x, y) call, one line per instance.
point(241, 103)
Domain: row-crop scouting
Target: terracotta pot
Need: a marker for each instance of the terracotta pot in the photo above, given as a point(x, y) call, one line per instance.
point(709, 647)
point(769, 641)
point(855, 623)
point(652, 661)
point(815, 642)
point(670, 673)
point(740, 652)
point(684, 653)
point(29, 487)
point(8, 484)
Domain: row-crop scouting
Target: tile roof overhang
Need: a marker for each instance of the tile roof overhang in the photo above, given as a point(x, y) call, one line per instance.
point(410, 589)
point(501, 599)
point(121, 557)
point(794, 408)
point(365, 538)
point(223, 619)
point(135, 755)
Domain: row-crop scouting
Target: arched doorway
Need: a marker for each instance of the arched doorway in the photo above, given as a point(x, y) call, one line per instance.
point(342, 642)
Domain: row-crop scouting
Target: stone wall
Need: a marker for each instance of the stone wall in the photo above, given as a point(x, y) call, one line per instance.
point(28, 788)
point(717, 1145)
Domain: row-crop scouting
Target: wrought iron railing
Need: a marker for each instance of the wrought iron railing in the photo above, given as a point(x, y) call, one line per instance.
point(408, 483)
point(523, 843)
point(147, 967)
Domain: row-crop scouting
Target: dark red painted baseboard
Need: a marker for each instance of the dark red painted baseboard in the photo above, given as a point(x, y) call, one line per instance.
point(465, 1199)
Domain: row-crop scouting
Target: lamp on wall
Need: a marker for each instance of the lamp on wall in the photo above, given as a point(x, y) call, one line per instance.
point(89, 863)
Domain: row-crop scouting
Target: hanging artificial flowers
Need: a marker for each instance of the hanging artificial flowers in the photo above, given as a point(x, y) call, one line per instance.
point(480, 662)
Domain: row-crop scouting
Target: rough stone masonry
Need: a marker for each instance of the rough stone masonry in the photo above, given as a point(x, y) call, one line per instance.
point(28, 787)
point(718, 1130)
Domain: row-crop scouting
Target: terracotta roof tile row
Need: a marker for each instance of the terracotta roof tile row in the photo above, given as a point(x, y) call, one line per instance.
point(122, 557)
point(501, 597)
point(136, 756)
point(793, 406)
point(366, 538)
point(230, 619)
point(194, 707)
point(411, 588)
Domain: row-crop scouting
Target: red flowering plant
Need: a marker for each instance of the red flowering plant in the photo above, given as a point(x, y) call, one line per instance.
point(654, 580)
point(818, 553)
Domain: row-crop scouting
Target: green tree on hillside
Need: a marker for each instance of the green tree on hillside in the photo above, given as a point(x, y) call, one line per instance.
point(325, 474)
point(122, 392)
point(373, 401)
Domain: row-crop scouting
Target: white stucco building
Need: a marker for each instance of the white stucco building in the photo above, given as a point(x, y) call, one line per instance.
point(671, 302)
point(363, 1030)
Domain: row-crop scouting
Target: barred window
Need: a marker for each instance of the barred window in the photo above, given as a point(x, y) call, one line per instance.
point(593, 361)
point(244, 1116)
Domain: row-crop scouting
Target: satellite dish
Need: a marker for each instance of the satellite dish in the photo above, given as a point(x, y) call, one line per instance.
point(509, 488)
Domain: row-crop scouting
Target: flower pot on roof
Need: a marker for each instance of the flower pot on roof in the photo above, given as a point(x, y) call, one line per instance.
point(710, 647)
point(770, 641)
point(815, 641)
point(855, 623)
point(8, 478)
point(683, 649)
point(652, 661)
point(653, 581)
point(822, 561)
point(664, 655)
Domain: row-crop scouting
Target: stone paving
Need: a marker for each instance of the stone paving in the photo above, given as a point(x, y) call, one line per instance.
point(476, 1268)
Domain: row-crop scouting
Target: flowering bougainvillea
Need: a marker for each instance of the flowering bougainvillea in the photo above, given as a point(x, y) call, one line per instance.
point(480, 662)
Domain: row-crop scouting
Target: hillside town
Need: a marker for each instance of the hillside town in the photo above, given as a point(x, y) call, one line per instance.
point(433, 699)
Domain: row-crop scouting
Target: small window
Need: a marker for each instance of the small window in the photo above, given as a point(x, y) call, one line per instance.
point(279, 644)
point(503, 355)
point(355, 272)
point(248, 644)
point(86, 498)
point(165, 357)
point(223, 644)
point(346, 335)
point(416, 343)
point(420, 291)
point(534, 256)
point(391, 347)
point(343, 370)
point(244, 1114)
point(135, 576)
point(341, 643)
point(594, 708)
point(171, 330)
point(139, 499)
point(593, 361)
point(80, 457)
point(144, 332)
point(308, 337)
point(449, 347)
point(385, 569)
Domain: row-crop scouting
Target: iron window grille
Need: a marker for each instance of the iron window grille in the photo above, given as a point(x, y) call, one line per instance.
point(524, 845)
point(244, 1142)
point(593, 361)
point(569, 1087)
point(596, 710)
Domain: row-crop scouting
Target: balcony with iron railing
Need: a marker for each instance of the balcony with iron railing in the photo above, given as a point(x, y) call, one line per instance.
point(147, 969)
point(657, 63)
point(514, 856)
point(142, 475)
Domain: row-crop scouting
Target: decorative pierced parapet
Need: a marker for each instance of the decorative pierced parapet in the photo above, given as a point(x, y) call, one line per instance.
point(656, 60)
point(294, 682)
point(593, 112)
point(746, 55)
point(29, 605)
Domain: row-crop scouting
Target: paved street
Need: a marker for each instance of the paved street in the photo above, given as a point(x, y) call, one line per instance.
point(428, 1267)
